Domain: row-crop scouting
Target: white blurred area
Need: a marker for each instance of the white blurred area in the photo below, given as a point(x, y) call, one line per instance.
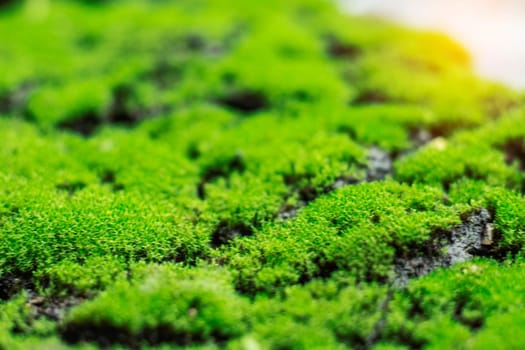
point(492, 30)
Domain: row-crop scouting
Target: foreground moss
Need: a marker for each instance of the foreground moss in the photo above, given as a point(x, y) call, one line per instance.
point(224, 174)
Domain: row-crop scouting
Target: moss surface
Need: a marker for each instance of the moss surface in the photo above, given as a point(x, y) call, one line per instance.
point(209, 174)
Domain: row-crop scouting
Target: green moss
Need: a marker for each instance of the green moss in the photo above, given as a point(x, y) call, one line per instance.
point(356, 230)
point(162, 304)
point(441, 315)
point(199, 175)
point(69, 277)
point(442, 163)
point(50, 105)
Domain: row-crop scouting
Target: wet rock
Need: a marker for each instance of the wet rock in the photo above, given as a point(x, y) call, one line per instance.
point(488, 237)
point(51, 308)
point(420, 137)
point(287, 213)
point(379, 164)
point(473, 237)
point(11, 285)
point(467, 239)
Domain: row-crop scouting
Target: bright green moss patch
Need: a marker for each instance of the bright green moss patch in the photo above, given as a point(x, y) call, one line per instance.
point(461, 307)
point(252, 175)
point(161, 304)
point(357, 229)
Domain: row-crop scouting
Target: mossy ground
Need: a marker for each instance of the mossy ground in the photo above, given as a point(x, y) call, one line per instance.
point(211, 174)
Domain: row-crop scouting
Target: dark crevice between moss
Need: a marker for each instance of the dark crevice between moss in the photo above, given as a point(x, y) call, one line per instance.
point(367, 97)
point(245, 101)
point(474, 321)
point(107, 335)
point(193, 152)
point(4, 4)
point(300, 186)
point(227, 231)
point(377, 330)
point(197, 44)
point(341, 50)
point(120, 113)
point(108, 177)
point(12, 284)
point(14, 102)
point(84, 125)
point(71, 187)
point(221, 169)
point(348, 130)
point(165, 75)
point(445, 129)
point(406, 339)
point(194, 42)
point(474, 237)
point(514, 150)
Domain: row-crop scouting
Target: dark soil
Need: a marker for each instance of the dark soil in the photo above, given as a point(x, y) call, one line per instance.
point(222, 169)
point(338, 49)
point(245, 101)
point(225, 232)
point(84, 125)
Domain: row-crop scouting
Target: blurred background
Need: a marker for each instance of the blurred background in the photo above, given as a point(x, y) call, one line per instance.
point(492, 30)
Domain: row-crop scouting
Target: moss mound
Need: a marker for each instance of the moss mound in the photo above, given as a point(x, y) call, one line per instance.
point(252, 175)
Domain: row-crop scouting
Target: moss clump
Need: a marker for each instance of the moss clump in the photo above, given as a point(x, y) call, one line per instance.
point(160, 304)
point(245, 175)
point(357, 231)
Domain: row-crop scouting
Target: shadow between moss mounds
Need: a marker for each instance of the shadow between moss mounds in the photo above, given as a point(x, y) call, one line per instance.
point(109, 335)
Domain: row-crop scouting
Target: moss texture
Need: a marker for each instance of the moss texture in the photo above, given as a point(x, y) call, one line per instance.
point(209, 174)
